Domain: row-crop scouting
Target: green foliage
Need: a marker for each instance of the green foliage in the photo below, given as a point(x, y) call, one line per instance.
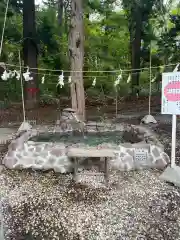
point(107, 40)
point(50, 42)
point(48, 99)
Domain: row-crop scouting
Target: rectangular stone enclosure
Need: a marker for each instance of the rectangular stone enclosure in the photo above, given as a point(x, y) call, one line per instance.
point(122, 147)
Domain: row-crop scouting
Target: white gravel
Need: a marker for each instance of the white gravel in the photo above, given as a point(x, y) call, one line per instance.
point(135, 206)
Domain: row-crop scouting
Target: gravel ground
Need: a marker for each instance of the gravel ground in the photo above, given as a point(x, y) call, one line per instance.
point(48, 206)
point(136, 206)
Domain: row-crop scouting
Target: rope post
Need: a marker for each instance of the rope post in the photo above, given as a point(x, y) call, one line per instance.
point(149, 118)
point(22, 90)
point(116, 102)
point(150, 78)
point(25, 126)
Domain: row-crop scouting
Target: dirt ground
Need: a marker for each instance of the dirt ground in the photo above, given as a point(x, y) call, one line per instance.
point(94, 110)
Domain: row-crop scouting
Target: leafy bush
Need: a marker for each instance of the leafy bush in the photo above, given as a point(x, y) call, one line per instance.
point(48, 99)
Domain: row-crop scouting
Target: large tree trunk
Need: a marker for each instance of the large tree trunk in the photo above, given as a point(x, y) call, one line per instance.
point(76, 51)
point(30, 52)
point(60, 15)
point(136, 32)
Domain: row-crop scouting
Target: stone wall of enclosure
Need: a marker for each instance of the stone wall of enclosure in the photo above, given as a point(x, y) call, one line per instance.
point(144, 151)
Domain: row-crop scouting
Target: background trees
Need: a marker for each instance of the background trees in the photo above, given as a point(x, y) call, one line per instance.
point(113, 35)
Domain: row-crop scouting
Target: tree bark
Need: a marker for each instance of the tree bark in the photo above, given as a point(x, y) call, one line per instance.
point(30, 52)
point(136, 33)
point(76, 52)
point(60, 15)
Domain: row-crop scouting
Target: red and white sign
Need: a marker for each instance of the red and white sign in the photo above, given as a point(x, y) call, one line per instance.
point(172, 91)
point(170, 99)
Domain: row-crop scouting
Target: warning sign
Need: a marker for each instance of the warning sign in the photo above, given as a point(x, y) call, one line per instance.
point(170, 99)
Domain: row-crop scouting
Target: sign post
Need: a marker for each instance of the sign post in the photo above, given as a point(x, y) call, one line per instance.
point(173, 142)
point(170, 104)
